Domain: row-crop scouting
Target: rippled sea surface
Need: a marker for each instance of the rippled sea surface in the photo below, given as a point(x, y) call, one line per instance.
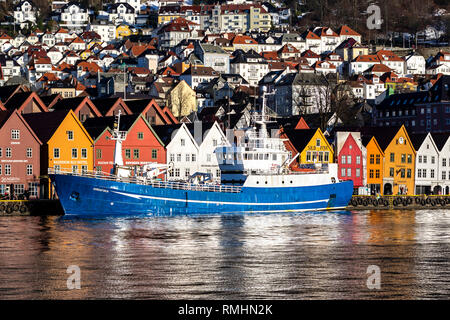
point(276, 256)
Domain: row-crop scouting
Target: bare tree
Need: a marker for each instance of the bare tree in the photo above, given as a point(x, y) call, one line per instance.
point(179, 100)
point(301, 96)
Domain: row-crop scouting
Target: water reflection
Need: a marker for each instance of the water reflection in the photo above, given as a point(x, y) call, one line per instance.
point(308, 256)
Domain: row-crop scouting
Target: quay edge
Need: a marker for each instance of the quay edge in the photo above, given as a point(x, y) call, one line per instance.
point(399, 202)
point(31, 208)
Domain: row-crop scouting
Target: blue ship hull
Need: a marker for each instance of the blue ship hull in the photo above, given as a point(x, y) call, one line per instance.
point(91, 196)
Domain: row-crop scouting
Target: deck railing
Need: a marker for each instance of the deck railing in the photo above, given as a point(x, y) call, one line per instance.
point(179, 185)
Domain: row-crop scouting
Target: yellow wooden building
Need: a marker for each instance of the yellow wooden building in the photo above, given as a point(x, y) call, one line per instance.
point(67, 146)
point(399, 164)
point(310, 144)
point(374, 164)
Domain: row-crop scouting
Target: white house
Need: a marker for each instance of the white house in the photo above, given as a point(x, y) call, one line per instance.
point(25, 12)
point(9, 67)
point(74, 16)
point(436, 69)
point(106, 31)
point(414, 63)
point(427, 163)
point(196, 75)
point(442, 140)
point(363, 62)
point(391, 60)
point(55, 55)
point(250, 65)
point(121, 12)
point(182, 150)
point(135, 4)
point(213, 56)
point(213, 136)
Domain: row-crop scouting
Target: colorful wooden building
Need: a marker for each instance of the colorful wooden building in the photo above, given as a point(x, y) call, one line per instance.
point(374, 165)
point(310, 144)
point(350, 159)
point(399, 160)
point(66, 145)
point(141, 146)
point(19, 156)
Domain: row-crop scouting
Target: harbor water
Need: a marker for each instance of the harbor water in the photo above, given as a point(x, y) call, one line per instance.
point(322, 255)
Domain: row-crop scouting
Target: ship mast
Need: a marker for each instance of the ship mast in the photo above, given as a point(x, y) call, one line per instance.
point(118, 136)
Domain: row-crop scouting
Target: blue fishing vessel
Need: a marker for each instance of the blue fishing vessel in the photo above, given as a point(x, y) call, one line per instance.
point(255, 179)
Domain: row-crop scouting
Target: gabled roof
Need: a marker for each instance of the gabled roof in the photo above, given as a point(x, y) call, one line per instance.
point(18, 101)
point(140, 106)
point(7, 92)
point(299, 138)
point(106, 105)
point(312, 36)
point(347, 31)
point(387, 55)
point(96, 126)
point(200, 71)
point(301, 124)
point(5, 115)
point(440, 139)
point(45, 124)
point(384, 137)
point(75, 104)
point(238, 39)
point(367, 58)
point(165, 132)
point(50, 100)
point(417, 139)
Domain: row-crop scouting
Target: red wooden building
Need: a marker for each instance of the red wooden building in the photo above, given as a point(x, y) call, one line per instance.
point(350, 160)
point(141, 146)
point(19, 155)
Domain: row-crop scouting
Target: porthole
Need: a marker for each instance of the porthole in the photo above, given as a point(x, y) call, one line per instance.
point(266, 182)
point(291, 181)
point(257, 182)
